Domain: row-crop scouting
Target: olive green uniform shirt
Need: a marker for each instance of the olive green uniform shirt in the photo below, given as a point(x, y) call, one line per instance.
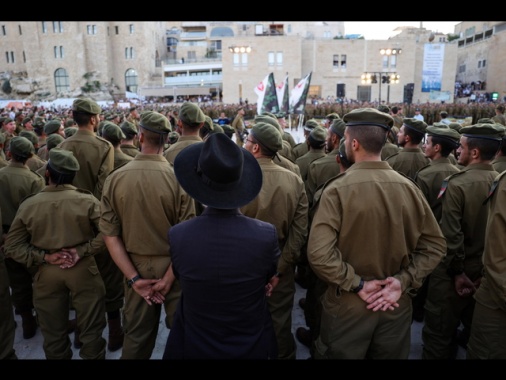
point(499, 163)
point(305, 160)
point(96, 159)
point(183, 141)
point(430, 179)
point(408, 161)
point(320, 171)
point(129, 149)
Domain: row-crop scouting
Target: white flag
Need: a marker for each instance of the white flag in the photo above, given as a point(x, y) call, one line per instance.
point(260, 91)
point(282, 92)
point(298, 95)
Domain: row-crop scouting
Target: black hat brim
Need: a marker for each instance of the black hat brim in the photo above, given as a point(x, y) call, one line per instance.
point(185, 168)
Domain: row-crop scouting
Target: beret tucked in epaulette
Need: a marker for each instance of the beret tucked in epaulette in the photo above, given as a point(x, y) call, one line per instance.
point(415, 125)
point(53, 140)
point(368, 116)
point(173, 137)
point(444, 132)
point(52, 126)
point(21, 146)
point(484, 131)
point(86, 105)
point(155, 122)
point(191, 113)
point(63, 161)
point(267, 136)
point(338, 126)
point(311, 124)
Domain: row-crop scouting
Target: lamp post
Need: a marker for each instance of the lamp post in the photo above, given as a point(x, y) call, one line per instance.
point(245, 49)
point(385, 77)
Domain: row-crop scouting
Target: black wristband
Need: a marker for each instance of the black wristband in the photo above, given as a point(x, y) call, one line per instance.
point(359, 287)
point(132, 280)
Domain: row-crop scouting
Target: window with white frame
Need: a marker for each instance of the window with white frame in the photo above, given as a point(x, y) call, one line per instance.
point(61, 80)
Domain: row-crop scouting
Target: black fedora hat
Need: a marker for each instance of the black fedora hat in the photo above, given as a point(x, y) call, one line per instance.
point(218, 173)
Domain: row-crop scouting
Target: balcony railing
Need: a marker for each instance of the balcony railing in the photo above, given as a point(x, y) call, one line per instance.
point(193, 80)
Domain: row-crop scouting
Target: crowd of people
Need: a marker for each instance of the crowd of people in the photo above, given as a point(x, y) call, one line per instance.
point(215, 214)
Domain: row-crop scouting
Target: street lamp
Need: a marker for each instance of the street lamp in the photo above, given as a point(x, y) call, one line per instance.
point(386, 77)
point(239, 49)
point(389, 60)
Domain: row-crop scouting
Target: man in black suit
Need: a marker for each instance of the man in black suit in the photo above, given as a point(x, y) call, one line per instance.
point(228, 269)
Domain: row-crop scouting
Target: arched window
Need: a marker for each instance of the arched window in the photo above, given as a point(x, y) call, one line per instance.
point(61, 80)
point(131, 80)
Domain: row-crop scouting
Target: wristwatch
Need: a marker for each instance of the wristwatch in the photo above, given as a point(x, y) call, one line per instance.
point(359, 287)
point(132, 280)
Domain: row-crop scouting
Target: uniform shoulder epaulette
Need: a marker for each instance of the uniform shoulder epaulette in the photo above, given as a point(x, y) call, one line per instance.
point(419, 170)
point(392, 155)
point(84, 191)
point(26, 197)
point(494, 186)
point(444, 185)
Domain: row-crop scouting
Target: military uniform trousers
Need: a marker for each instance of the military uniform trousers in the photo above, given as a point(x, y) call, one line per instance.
point(488, 334)
point(349, 330)
point(113, 281)
point(141, 321)
point(7, 329)
point(53, 290)
point(20, 280)
point(281, 307)
point(445, 310)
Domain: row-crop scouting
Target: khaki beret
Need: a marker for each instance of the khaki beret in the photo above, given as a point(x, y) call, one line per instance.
point(268, 136)
point(338, 126)
point(264, 118)
point(111, 116)
point(318, 135)
point(39, 122)
point(217, 129)
point(384, 108)
point(190, 113)
point(21, 146)
point(269, 114)
point(311, 124)
point(455, 126)
point(100, 127)
point(128, 128)
point(53, 140)
point(485, 120)
point(86, 105)
point(70, 131)
point(416, 125)
point(445, 133)
point(30, 135)
point(332, 116)
point(208, 123)
point(484, 131)
point(440, 125)
point(26, 120)
point(173, 137)
point(70, 123)
point(63, 161)
point(228, 129)
point(52, 126)
point(7, 120)
point(156, 122)
point(112, 132)
point(368, 116)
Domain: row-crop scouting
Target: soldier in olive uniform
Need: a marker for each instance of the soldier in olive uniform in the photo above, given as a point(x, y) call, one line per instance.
point(370, 266)
point(439, 144)
point(452, 284)
point(191, 119)
point(8, 326)
point(499, 161)
point(62, 248)
point(411, 158)
point(303, 147)
point(17, 181)
point(135, 225)
point(488, 335)
point(129, 143)
point(239, 126)
point(114, 135)
point(51, 142)
point(96, 160)
point(283, 202)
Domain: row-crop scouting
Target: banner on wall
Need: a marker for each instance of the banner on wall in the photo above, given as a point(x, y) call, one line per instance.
point(432, 71)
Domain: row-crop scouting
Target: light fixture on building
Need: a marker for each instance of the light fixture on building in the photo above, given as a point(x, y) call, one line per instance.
point(390, 51)
point(239, 49)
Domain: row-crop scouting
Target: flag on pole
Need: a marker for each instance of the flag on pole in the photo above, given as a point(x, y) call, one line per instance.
point(283, 96)
point(298, 95)
point(267, 97)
